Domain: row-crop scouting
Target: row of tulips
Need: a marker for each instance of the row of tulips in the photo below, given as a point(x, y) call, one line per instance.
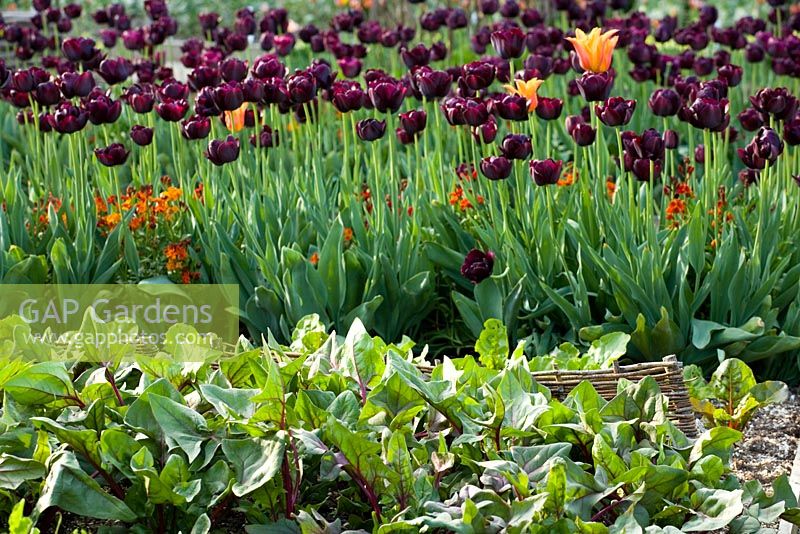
point(442, 182)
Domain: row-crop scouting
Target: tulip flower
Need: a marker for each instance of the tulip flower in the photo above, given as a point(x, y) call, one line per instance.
point(486, 132)
point(478, 75)
point(414, 121)
point(370, 129)
point(791, 131)
point(583, 134)
point(221, 152)
point(73, 84)
point(68, 119)
point(516, 146)
point(196, 127)
point(780, 103)
point(115, 71)
point(508, 42)
point(386, 96)
point(545, 172)
point(267, 138)
point(432, 84)
point(141, 135)
point(616, 111)
point(478, 265)
point(172, 110)
point(527, 90)
point(595, 87)
point(112, 155)
point(496, 167)
point(664, 102)
point(595, 49)
point(235, 120)
point(549, 108)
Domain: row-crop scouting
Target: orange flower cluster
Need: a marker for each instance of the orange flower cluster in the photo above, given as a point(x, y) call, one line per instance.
point(568, 177)
point(679, 191)
point(40, 213)
point(458, 198)
point(149, 208)
point(178, 261)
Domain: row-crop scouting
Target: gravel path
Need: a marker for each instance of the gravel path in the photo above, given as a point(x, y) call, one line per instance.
point(770, 442)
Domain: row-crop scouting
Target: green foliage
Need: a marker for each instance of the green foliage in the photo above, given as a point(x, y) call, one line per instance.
point(349, 433)
point(732, 396)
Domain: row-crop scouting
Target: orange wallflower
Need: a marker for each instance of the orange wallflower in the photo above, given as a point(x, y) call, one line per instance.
point(526, 89)
point(348, 234)
point(676, 209)
point(234, 120)
point(314, 259)
point(594, 49)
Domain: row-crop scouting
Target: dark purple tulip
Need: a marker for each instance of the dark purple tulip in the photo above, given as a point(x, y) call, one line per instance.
point(79, 48)
point(438, 51)
point(134, 39)
point(549, 108)
point(266, 41)
point(732, 74)
point(203, 76)
point(478, 265)
point(109, 37)
point(267, 138)
point(707, 113)
point(253, 90)
point(768, 144)
point(284, 44)
point(72, 10)
point(228, 96)
point(474, 112)
point(456, 19)
point(595, 87)
point(512, 107)
point(516, 146)
point(664, 102)
point(350, 66)
point(414, 121)
point(221, 152)
point(47, 94)
point(583, 134)
point(103, 110)
point(115, 71)
point(432, 84)
point(509, 9)
point(41, 5)
point(302, 87)
point(386, 96)
point(233, 70)
point(347, 96)
point(545, 172)
point(486, 132)
point(195, 127)
point(791, 131)
point(489, 7)
point(268, 66)
point(751, 119)
point(508, 42)
point(172, 110)
point(141, 135)
point(754, 53)
point(496, 167)
point(208, 21)
point(237, 42)
point(68, 118)
point(322, 73)
point(403, 137)
point(703, 66)
point(670, 138)
point(478, 75)
point(415, 57)
point(112, 155)
point(370, 129)
point(26, 80)
point(141, 102)
point(616, 111)
point(778, 102)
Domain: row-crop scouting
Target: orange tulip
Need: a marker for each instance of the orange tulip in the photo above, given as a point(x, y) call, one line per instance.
point(594, 50)
point(527, 89)
point(234, 120)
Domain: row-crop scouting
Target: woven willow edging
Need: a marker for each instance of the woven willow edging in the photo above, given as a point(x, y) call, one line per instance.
point(668, 373)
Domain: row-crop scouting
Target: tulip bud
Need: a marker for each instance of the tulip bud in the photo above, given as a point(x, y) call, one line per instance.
point(141, 135)
point(545, 172)
point(477, 265)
